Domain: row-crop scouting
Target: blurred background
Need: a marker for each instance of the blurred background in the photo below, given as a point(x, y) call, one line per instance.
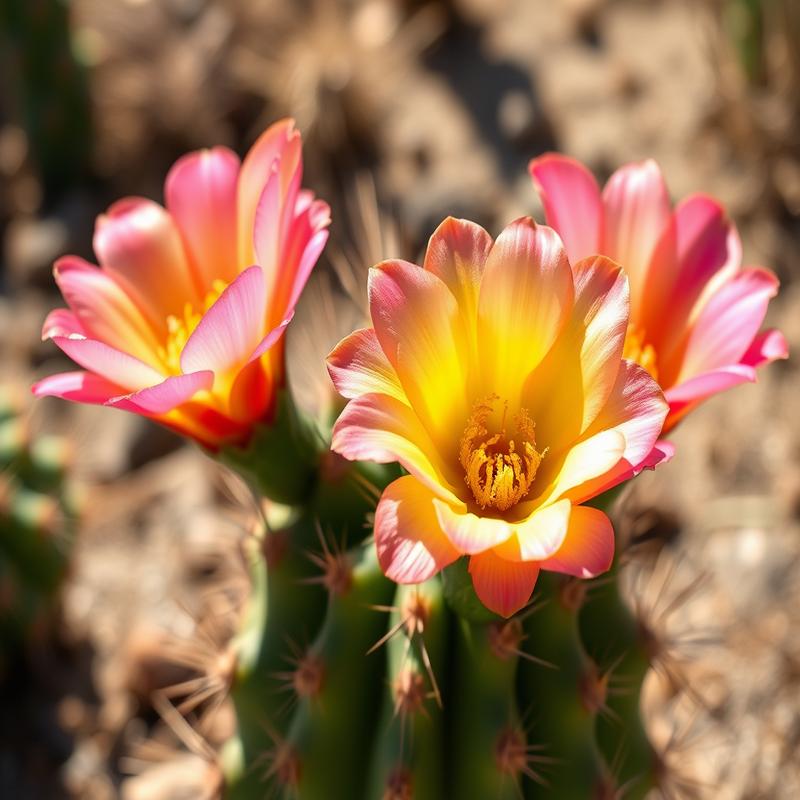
point(410, 110)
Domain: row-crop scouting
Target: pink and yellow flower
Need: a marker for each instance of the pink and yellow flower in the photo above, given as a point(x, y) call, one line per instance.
point(695, 313)
point(183, 320)
point(494, 375)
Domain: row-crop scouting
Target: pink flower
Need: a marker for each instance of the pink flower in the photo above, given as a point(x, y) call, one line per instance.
point(183, 320)
point(494, 376)
point(695, 313)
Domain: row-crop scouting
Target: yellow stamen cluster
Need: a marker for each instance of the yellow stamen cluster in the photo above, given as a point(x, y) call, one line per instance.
point(179, 329)
point(638, 350)
point(498, 474)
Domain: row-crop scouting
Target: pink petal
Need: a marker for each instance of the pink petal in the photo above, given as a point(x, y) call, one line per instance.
point(468, 532)
point(61, 322)
point(271, 339)
point(80, 387)
point(729, 322)
point(572, 203)
point(588, 547)
point(421, 331)
point(200, 192)
point(768, 346)
point(103, 310)
point(165, 396)
point(457, 253)
point(502, 586)
point(637, 211)
point(358, 366)
point(111, 364)
point(525, 298)
point(138, 243)
point(376, 427)
point(231, 330)
point(689, 394)
point(278, 150)
point(411, 547)
point(706, 252)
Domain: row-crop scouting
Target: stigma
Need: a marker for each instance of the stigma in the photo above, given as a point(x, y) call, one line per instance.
point(498, 469)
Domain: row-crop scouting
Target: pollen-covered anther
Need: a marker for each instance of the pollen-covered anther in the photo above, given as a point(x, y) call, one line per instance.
point(498, 471)
point(409, 692)
point(638, 349)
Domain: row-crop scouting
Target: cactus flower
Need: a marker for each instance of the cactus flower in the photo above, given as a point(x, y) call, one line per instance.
point(494, 375)
point(182, 321)
point(695, 313)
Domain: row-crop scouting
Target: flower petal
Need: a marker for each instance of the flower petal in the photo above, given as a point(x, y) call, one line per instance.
point(62, 322)
point(572, 203)
point(526, 296)
point(768, 346)
point(138, 243)
point(411, 547)
point(587, 460)
point(580, 371)
point(637, 211)
point(200, 193)
point(502, 586)
point(457, 253)
point(468, 532)
point(231, 329)
point(103, 309)
point(113, 365)
point(358, 366)
point(689, 394)
point(420, 329)
point(539, 536)
point(376, 427)
point(271, 339)
point(706, 252)
point(278, 149)
point(165, 396)
point(588, 547)
point(636, 409)
point(80, 387)
point(729, 322)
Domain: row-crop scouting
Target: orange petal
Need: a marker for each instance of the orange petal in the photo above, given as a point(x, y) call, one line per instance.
point(588, 547)
point(502, 586)
point(411, 546)
point(525, 298)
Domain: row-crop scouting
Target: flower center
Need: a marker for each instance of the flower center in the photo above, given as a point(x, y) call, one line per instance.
point(179, 329)
point(498, 472)
point(637, 349)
